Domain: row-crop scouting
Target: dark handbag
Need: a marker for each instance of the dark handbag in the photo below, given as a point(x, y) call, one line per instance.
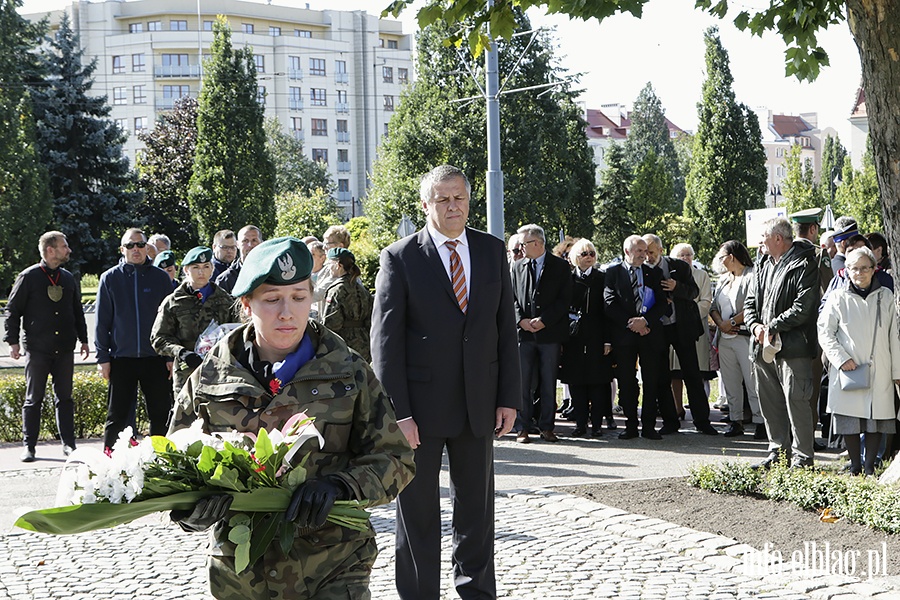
point(860, 378)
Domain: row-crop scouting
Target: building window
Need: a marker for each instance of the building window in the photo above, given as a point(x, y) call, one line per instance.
point(247, 27)
point(296, 124)
point(779, 152)
point(392, 44)
point(319, 127)
point(389, 103)
point(342, 96)
point(176, 91)
point(343, 184)
point(274, 31)
point(317, 97)
point(402, 75)
point(119, 96)
point(154, 26)
point(260, 61)
point(295, 63)
point(118, 64)
point(385, 130)
point(135, 27)
point(261, 94)
point(320, 155)
point(295, 98)
point(342, 126)
point(317, 66)
point(177, 25)
point(343, 155)
point(140, 124)
point(174, 60)
point(207, 25)
point(302, 33)
point(122, 124)
point(340, 66)
point(381, 42)
point(387, 73)
point(140, 94)
point(138, 63)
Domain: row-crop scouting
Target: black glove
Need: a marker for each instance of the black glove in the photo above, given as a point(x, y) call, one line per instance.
point(313, 500)
point(191, 359)
point(206, 513)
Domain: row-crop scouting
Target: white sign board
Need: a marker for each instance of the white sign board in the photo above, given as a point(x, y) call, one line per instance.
point(754, 219)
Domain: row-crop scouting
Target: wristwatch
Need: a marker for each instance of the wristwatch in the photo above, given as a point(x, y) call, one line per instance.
point(734, 323)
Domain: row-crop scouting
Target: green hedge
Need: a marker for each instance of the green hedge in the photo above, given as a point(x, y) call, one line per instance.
point(858, 499)
point(89, 394)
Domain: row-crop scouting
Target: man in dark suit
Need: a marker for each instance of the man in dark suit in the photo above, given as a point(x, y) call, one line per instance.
point(635, 303)
point(444, 346)
point(542, 288)
point(682, 326)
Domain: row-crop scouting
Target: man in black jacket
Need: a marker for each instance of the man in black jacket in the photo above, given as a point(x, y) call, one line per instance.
point(682, 326)
point(48, 298)
point(542, 289)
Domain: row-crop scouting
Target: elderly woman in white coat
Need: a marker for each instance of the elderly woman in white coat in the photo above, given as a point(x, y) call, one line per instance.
point(858, 326)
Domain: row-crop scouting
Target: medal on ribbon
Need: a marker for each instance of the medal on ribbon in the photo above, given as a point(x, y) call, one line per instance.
point(54, 290)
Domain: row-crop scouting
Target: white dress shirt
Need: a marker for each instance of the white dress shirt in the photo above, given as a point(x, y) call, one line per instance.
point(462, 248)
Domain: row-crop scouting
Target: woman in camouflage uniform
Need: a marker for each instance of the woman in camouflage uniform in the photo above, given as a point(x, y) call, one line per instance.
point(278, 365)
point(348, 304)
point(187, 312)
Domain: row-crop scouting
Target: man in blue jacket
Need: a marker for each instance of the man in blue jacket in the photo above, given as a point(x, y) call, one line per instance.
point(127, 301)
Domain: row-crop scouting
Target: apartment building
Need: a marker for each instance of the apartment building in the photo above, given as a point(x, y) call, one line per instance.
point(332, 78)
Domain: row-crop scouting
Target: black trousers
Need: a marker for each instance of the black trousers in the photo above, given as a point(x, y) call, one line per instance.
point(654, 359)
point(591, 400)
point(686, 350)
point(124, 376)
point(418, 553)
point(38, 367)
point(542, 358)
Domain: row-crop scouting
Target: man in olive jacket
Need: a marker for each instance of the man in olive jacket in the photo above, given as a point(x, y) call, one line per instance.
point(781, 303)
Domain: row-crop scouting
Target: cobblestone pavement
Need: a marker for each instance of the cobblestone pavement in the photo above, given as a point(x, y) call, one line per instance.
point(549, 545)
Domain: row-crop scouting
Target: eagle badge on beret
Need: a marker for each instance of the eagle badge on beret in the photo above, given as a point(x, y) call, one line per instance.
point(286, 264)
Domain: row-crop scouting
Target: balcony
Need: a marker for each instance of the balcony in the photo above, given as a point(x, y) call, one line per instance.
point(295, 74)
point(342, 107)
point(343, 167)
point(343, 196)
point(295, 103)
point(343, 136)
point(341, 78)
point(167, 102)
point(183, 71)
point(298, 134)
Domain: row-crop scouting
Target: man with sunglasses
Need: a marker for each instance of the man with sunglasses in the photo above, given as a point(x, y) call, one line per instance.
point(128, 297)
point(514, 249)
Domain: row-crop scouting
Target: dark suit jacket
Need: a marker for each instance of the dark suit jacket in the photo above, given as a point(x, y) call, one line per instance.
point(687, 314)
point(551, 299)
point(620, 306)
point(439, 365)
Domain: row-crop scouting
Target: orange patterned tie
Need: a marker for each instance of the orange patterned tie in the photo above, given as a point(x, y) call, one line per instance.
point(457, 276)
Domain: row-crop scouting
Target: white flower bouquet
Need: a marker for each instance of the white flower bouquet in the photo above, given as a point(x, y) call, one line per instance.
point(260, 471)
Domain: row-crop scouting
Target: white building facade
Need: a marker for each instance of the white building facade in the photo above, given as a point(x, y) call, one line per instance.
point(332, 78)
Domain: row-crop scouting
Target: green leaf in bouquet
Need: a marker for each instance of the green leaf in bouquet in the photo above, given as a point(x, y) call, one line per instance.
point(161, 444)
point(207, 462)
point(287, 533)
point(227, 478)
point(195, 449)
point(263, 449)
point(238, 519)
point(239, 534)
point(295, 477)
point(265, 527)
point(154, 487)
point(241, 557)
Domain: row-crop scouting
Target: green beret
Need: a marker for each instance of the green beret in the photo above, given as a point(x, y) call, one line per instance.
point(337, 253)
point(281, 261)
point(200, 254)
point(810, 215)
point(164, 259)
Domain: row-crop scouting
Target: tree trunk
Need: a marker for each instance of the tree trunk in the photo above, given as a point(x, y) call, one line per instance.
point(875, 25)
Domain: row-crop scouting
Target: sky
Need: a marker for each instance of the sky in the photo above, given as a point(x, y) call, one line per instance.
point(618, 57)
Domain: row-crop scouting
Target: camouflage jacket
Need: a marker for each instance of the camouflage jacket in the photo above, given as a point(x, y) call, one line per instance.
point(348, 313)
point(180, 320)
point(364, 446)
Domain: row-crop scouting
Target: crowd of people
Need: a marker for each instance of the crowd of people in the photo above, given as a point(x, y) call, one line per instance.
point(462, 343)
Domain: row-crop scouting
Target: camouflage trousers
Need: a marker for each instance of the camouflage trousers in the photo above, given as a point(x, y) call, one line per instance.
point(309, 572)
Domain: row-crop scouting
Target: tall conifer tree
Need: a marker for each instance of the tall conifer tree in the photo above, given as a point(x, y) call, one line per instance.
point(614, 222)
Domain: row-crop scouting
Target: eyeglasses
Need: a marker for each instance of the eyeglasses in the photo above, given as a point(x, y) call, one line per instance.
point(587, 253)
point(516, 250)
point(525, 243)
point(131, 245)
point(860, 269)
point(228, 247)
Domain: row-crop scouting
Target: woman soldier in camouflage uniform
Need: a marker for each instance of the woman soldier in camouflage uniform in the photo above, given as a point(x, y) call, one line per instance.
point(187, 312)
point(262, 374)
point(348, 304)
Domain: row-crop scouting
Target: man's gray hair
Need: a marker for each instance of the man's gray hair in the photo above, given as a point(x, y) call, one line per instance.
point(439, 174)
point(535, 231)
point(160, 237)
point(842, 222)
point(779, 226)
point(857, 254)
point(652, 238)
point(630, 242)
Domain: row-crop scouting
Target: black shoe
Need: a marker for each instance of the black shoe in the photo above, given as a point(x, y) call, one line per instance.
point(597, 433)
point(736, 429)
point(725, 419)
point(819, 447)
point(650, 434)
point(628, 434)
point(578, 432)
point(801, 463)
point(707, 429)
point(668, 429)
point(611, 423)
point(760, 433)
point(768, 462)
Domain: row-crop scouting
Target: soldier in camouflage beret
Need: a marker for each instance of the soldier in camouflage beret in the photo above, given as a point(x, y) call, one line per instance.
point(185, 314)
point(348, 304)
point(165, 260)
point(275, 366)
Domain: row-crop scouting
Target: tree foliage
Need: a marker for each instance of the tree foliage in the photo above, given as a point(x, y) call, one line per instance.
point(858, 195)
point(300, 215)
point(799, 185)
point(547, 164)
point(294, 171)
point(233, 183)
point(833, 155)
point(614, 222)
point(649, 133)
point(91, 182)
point(165, 168)
point(728, 173)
